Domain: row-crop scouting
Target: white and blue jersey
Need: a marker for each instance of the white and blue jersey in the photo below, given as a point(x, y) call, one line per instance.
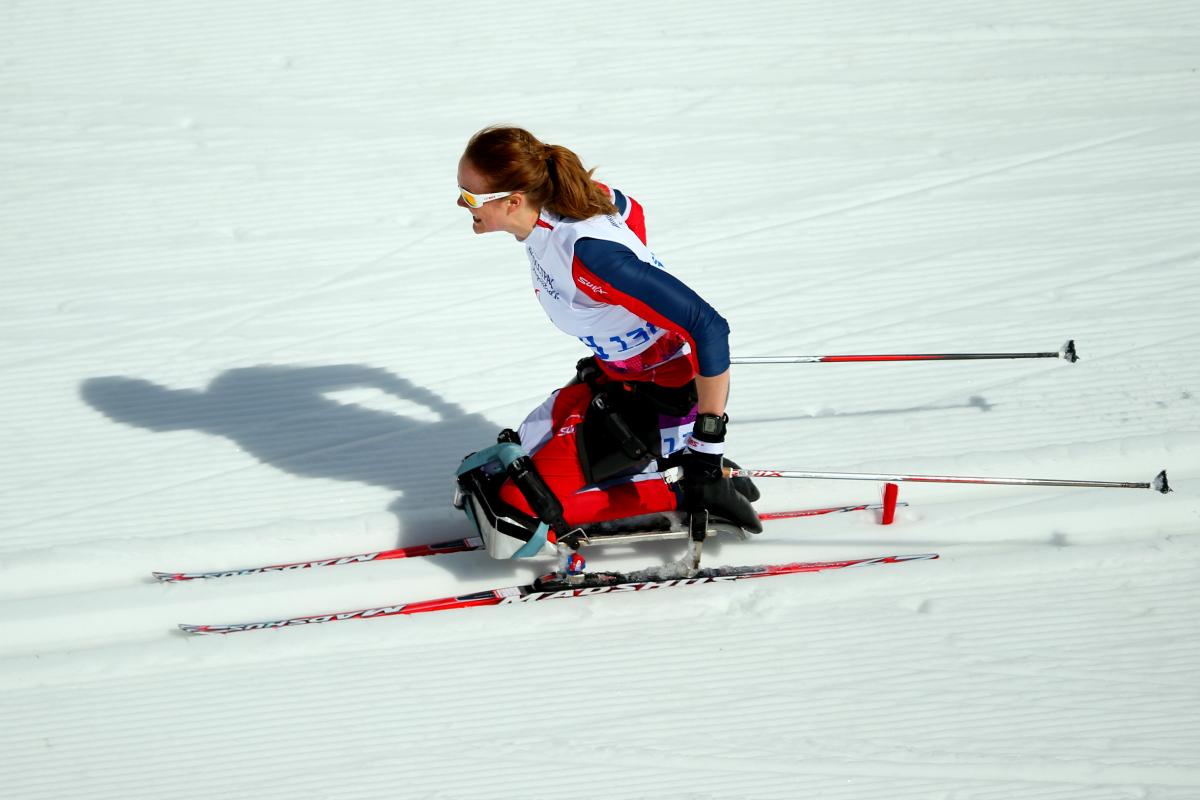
point(598, 281)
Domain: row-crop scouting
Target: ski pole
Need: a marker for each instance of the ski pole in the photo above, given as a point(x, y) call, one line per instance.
point(1159, 484)
point(1066, 352)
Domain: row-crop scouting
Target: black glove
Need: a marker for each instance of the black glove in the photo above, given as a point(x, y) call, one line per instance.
point(704, 484)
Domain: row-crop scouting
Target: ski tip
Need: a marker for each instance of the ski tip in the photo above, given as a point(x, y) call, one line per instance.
point(165, 577)
point(1068, 353)
point(917, 557)
point(1160, 484)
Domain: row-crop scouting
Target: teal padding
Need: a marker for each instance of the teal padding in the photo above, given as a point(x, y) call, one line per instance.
point(504, 452)
point(535, 543)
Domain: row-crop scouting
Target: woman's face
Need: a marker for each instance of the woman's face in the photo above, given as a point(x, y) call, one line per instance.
point(491, 216)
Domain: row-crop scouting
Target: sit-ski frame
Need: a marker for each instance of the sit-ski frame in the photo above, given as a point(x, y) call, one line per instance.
point(699, 528)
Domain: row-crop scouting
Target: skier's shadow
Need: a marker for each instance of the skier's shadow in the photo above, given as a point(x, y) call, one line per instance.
point(290, 418)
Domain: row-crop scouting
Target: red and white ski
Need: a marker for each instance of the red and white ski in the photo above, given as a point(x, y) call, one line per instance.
point(554, 588)
point(441, 548)
point(414, 551)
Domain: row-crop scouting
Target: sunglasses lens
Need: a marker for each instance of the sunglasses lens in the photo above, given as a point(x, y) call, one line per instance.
point(470, 199)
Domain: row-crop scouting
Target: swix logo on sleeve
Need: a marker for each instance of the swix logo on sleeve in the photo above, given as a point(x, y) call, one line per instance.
point(595, 287)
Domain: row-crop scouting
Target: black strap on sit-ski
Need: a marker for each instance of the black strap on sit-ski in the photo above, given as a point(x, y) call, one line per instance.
point(619, 429)
point(533, 488)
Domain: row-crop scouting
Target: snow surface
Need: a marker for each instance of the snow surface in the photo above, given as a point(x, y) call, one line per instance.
point(243, 321)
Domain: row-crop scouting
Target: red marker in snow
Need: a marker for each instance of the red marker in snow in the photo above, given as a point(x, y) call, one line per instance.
point(890, 492)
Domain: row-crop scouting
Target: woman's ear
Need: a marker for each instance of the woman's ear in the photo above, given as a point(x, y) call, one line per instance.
point(515, 202)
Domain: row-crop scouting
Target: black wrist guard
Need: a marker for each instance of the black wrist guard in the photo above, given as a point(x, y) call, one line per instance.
point(710, 427)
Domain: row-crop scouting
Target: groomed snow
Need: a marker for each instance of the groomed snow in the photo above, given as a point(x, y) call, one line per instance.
point(242, 322)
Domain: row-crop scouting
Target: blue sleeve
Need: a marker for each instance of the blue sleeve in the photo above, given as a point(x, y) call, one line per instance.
point(661, 298)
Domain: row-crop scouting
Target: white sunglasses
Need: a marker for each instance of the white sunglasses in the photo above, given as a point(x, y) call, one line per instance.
point(477, 200)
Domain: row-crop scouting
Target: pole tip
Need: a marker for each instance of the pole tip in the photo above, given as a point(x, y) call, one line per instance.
point(1160, 483)
point(1068, 352)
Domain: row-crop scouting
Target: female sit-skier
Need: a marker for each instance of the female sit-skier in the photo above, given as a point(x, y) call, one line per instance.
point(652, 394)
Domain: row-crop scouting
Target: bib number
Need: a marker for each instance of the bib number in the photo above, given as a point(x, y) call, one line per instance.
point(616, 345)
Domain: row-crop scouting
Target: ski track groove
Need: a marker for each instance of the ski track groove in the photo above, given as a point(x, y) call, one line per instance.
point(435, 742)
point(935, 186)
point(893, 320)
point(250, 310)
point(1021, 289)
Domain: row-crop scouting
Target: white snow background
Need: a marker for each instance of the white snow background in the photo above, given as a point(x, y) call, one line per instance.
point(242, 321)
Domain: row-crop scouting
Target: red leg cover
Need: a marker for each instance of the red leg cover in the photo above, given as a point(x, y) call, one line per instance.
point(558, 463)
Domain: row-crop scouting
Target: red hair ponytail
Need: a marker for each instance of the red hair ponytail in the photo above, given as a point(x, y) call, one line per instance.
point(550, 175)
